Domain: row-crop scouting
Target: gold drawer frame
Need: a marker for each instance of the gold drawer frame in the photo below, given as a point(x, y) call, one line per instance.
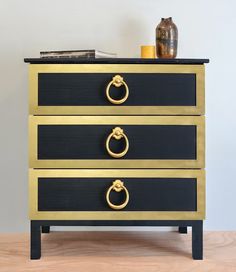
point(35, 69)
point(199, 121)
point(34, 214)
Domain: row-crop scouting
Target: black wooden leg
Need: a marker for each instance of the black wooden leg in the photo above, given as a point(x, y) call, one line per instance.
point(35, 243)
point(45, 229)
point(197, 240)
point(183, 230)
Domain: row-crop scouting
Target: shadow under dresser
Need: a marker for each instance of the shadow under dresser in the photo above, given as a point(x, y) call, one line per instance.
point(116, 142)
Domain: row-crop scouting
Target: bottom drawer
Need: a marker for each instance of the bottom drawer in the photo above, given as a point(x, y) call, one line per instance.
point(117, 194)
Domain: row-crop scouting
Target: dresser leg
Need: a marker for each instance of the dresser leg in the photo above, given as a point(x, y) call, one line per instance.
point(183, 230)
point(197, 240)
point(35, 241)
point(45, 229)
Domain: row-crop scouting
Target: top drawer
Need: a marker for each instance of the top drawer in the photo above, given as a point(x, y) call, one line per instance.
point(117, 89)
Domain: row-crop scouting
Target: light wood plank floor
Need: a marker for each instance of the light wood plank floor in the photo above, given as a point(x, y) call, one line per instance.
point(118, 251)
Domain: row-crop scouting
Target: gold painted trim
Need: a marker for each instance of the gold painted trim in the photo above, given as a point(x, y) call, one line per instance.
point(199, 121)
point(35, 69)
point(34, 214)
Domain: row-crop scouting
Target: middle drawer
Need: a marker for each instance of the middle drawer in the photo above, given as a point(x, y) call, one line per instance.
point(116, 142)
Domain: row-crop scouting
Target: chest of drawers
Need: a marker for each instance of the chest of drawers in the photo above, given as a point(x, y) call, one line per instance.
point(118, 142)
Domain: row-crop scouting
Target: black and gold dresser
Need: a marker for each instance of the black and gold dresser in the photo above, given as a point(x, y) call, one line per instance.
point(116, 142)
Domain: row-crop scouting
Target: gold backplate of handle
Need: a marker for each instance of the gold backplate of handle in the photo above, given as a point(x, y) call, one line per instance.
point(117, 133)
point(117, 186)
point(117, 81)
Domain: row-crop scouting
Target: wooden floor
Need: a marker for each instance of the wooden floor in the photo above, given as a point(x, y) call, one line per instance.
point(118, 252)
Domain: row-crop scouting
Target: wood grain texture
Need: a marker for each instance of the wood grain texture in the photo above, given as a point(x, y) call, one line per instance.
point(118, 251)
point(89, 194)
point(163, 142)
point(88, 89)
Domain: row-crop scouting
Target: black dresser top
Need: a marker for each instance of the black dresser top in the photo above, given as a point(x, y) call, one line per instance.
point(113, 61)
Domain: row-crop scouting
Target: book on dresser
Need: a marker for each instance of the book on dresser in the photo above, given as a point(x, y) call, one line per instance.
point(117, 142)
point(77, 54)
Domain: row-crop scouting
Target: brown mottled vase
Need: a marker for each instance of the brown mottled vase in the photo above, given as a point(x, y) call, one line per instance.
point(166, 39)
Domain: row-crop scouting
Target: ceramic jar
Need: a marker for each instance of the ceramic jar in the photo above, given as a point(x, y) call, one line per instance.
point(166, 39)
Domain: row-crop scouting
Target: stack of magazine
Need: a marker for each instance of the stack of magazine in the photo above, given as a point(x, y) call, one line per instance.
point(87, 54)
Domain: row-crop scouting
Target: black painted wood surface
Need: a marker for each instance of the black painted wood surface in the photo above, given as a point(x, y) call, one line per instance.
point(114, 61)
point(89, 194)
point(89, 89)
point(45, 229)
point(197, 231)
point(197, 240)
point(89, 141)
point(183, 230)
point(35, 240)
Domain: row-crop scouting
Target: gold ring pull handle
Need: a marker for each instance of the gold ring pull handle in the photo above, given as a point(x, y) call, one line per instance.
point(118, 186)
point(117, 81)
point(117, 133)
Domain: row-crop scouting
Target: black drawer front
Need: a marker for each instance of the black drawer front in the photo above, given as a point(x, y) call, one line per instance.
point(89, 194)
point(163, 142)
point(88, 89)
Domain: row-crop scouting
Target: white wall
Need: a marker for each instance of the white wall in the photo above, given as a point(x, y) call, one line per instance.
point(206, 30)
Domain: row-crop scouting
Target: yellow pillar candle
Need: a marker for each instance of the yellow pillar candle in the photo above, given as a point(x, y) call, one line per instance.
point(148, 52)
